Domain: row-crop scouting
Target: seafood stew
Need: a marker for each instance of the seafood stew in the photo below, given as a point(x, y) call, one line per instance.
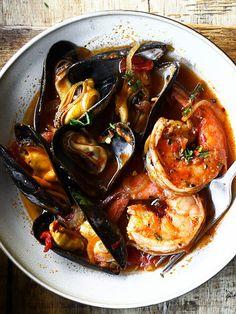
point(119, 154)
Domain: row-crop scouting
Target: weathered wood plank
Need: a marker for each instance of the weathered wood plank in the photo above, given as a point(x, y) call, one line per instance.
point(13, 38)
point(3, 282)
point(216, 296)
point(49, 12)
point(220, 12)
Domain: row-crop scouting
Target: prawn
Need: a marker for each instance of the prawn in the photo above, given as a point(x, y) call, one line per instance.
point(158, 221)
point(165, 226)
point(184, 156)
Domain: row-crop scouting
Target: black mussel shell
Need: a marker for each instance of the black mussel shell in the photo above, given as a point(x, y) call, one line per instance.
point(25, 135)
point(120, 147)
point(106, 64)
point(28, 186)
point(47, 89)
point(168, 72)
point(107, 231)
point(42, 223)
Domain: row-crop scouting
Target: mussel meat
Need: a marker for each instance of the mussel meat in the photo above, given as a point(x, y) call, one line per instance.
point(58, 94)
point(136, 104)
point(47, 221)
point(94, 164)
point(54, 80)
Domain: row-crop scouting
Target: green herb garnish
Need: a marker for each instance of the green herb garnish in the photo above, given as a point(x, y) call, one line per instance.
point(188, 154)
point(134, 84)
point(81, 199)
point(85, 121)
point(157, 236)
point(187, 110)
point(128, 76)
point(204, 154)
point(112, 126)
point(46, 5)
point(197, 90)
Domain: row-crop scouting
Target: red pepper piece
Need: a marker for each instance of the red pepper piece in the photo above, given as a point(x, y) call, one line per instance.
point(46, 236)
point(138, 64)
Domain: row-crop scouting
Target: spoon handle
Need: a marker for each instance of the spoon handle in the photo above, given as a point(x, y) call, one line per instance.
point(230, 174)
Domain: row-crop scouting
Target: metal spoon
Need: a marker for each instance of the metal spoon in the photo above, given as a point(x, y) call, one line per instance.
point(221, 194)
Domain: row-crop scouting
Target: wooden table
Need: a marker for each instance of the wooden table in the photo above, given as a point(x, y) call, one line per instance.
point(20, 20)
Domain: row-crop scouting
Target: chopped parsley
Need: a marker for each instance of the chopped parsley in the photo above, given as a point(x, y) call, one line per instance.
point(85, 121)
point(157, 236)
point(128, 76)
point(112, 126)
point(196, 92)
point(46, 5)
point(188, 154)
point(132, 82)
point(187, 110)
point(204, 154)
point(81, 199)
point(136, 85)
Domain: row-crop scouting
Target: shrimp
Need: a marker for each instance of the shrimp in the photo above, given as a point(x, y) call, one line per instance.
point(158, 221)
point(184, 156)
point(133, 187)
point(165, 226)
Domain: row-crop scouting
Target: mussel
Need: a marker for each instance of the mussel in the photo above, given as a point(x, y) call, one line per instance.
point(41, 226)
point(59, 95)
point(30, 185)
point(60, 56)
point(106, 64)
point(94, 164)
point(143, 113)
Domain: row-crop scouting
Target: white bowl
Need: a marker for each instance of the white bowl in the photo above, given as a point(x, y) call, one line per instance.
point(19, 82)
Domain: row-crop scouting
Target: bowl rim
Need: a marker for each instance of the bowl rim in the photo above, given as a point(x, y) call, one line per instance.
point(28, 45)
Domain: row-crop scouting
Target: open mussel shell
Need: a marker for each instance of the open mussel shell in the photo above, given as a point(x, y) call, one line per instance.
point(106, 64)
point(28, 186)
point(107, 231)
point(27, 137)
point(47, 89)
point(74, 148)
point(167, 73)
point(42, 223)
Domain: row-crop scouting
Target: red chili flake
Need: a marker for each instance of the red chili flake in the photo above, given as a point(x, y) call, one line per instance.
point(46, 236)
point(138, 64)
point(115, 245)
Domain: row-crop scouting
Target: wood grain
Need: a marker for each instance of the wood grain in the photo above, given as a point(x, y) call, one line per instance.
point(48, 12)
point(13, 38)
point(220, 12)
point(215, 296)
point(20, 20)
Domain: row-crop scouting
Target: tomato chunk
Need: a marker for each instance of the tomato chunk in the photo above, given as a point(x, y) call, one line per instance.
point(46, 236)
point(138, 64)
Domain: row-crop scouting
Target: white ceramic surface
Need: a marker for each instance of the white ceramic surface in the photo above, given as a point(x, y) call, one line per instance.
point(20, 80)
